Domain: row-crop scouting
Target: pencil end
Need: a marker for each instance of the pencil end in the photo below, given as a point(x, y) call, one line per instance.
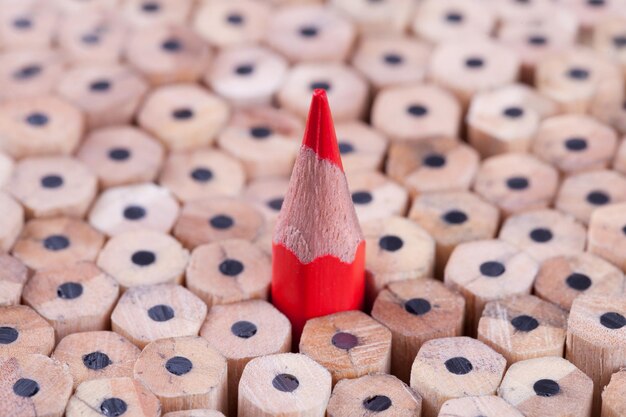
point(320, 129)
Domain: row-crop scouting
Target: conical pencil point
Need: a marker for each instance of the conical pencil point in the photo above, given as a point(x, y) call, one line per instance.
point(320, 129)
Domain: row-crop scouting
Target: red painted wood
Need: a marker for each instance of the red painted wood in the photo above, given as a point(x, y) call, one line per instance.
point(324, 286)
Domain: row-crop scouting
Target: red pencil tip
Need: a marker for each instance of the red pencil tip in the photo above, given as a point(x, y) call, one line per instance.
point(320, 130)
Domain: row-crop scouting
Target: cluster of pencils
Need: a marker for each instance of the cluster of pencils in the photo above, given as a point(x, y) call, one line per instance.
point(311, 208)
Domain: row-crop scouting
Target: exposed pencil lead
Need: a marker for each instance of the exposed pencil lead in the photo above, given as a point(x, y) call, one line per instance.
point(320, 130)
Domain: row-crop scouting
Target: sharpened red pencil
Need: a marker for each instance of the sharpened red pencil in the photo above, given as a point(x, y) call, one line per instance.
point(318, 248)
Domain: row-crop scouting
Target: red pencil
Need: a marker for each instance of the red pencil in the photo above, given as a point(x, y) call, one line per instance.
point(318, 247)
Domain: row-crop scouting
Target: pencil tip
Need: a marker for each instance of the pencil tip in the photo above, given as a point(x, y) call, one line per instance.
point(320, 130)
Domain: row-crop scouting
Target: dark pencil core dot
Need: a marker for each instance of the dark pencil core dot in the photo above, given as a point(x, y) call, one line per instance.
point(393, 59)
point(537, 40)
point(8, 335)
point(377, 403)
point(577, 281)
point(231, 267)
point(362, 197)
point(546, 388)
point(134, 212)
point(161, 312)
point(221, 221)
point(613, 320)
point(596, 2)
point(243, 329)
point(202, 174)
point(172, 45)
point(150, 7)
point(100, 86)
point(474, 62)
point(525, 323)
point(513, 112)
point(235, 19)
point(113, 407)
point(492, 269)
point(178, 365)
point(417, 306)
point(576, 144)
point(541, 235)
point(285, 382)
point(25, 387)
point(624, 230)
point(275, 204)
point(96, 360)
point(245, 69)
point(70, 290)
point(459, 365)
point(454, 17)
point(345, 148)
point(517, 183)
point(434, 160)
point(37, 119)
point(598, 198)
point(260, 132)
point(51, 181)
point(417, 110)
point(619, 41)
point(90, 39)
point(390, 243)
point(22, 23)
point(454, 217)
point(143, 258)
point(343, 340)
point(320, 85)
point(308, 31)
point(182, 114)
point(578, 74)
point(27, 71)
point(56, 243)
point(119, 154)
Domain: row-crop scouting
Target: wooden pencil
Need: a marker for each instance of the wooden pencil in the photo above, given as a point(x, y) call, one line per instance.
point(613, 404)
point(487, 270)
point(563, 278)
point(284, 383)
point(397, 249)
point(147, 313)
point(417, 311)
point(547, 387)
point(23, 331)
point(184, 373)
point(482, 405)
point(143, 206)
point(374, 394)
point(121, 155)
point(96, 355)
point(243, 331)
point(12, 221)
point(453, 367)
point(306, 250)
point(113, 397)
point(349, 344)
point(13, 276)
point(57, 242)
point(523, 327)
point(73, 299)
point(34, 385)
point(42, 125)
point(596, 339)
